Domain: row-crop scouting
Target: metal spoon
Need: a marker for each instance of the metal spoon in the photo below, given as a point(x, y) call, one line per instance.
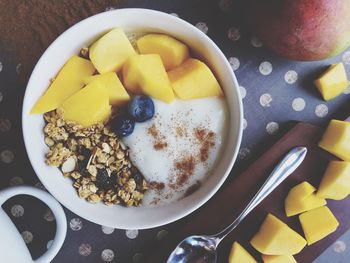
point(202, 249)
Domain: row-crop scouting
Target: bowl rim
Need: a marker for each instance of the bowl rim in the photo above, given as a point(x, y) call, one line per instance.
point(238, 139)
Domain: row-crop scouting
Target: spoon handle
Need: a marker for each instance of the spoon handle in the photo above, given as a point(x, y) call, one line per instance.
point(285, 167)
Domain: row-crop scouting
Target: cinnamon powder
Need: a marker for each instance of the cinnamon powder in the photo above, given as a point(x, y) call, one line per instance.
point(206, 139)
point(159, 140)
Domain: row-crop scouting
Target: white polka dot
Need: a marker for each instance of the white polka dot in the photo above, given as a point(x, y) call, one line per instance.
point(7, 156)
point(107, 230)
point(245, 124)
point(48, 216)
point(5, 125)
point(18, 68)
point(110, 8)
point(234, 62)
point(27, 237)
point(298, 104)
point(224, 5)
point(265, 68)
point(137, 258)
point(346, 57)
point(162, 234)
point(256, 42)
point(291, 76)
point(242, 91)
point(339, 246)
point(265, 100)
point(40, 186)
point(132, 233)
point(202, 27)
point(272, 128)
point(244, 154)
point(107, 255)
point(174, 14)
point(1, 97)
point(1, 66)
point(233, 33)
point(49, 244)
point(16, 181)
point(85, 250)
point(76, 224)
point(17, 211)
point(321, 110)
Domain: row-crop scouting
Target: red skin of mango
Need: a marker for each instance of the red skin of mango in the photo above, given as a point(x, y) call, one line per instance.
point(302, 29)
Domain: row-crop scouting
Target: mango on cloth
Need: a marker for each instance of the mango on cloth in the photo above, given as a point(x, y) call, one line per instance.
point(276, 238)
point(145, 74)
point(67, 82)
point(278, 259)
point(118, 96)
point(336, 139)
point(172, 51)
point(301, 198)
point(335, 183)
point(332, 82)
point(238, 254)
point(109, 53)
point(318, 223)
point(193, 79)
point(88, 106)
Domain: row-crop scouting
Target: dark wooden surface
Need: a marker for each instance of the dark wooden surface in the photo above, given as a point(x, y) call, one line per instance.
point(225, 206)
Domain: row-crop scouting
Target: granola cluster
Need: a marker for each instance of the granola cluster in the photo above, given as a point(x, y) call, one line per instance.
point(95, 159)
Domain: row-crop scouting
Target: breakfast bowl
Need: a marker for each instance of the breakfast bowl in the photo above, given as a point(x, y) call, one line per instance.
point(83, 34)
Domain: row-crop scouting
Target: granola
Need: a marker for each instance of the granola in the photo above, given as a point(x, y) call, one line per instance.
point(95, 159)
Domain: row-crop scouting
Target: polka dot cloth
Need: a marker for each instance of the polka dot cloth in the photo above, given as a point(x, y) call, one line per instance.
point(273, 91)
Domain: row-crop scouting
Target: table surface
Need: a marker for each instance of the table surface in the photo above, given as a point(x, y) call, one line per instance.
point(274, 92)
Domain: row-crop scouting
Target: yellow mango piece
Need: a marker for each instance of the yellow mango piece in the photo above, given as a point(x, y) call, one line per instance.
point(145, 74)
point(278, 259)
point(318, 223)
point(336, 139)
point(118, 96)
point(67, 82)
point(172, 51)
point(193, 79)
point(276, 238)
point(332, 82)
point(88, 106)
point(302, 198)
point(238, 255)
point(335, 182)
point(109, 53)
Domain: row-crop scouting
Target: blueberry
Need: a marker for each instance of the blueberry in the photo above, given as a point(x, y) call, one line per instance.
point(123, 125)
point(141, 108)
point(103, 180)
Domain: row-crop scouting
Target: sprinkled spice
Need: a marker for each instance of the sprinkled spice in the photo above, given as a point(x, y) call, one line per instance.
point(185, 169)
point(159, 140)
point(206, 139)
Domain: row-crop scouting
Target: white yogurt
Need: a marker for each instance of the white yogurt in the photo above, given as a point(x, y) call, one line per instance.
point(179, 146)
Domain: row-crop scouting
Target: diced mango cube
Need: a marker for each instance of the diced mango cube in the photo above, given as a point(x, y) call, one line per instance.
point(336, 139)
point(109, 53)
point(318, 223)
point(276, 238)
point(67, 82)
point(117, 94)
point(193, 79)
point(172, 51)
point(145, 74)
point(238, 254)
point(88, 106)
point(335, 183)
point(278, 259)
point(302, 198)
point(332, 82)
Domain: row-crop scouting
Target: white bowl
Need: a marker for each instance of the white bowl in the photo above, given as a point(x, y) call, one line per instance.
point(83, 34)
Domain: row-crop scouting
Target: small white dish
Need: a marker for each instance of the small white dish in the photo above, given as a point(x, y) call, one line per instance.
point(83, 34)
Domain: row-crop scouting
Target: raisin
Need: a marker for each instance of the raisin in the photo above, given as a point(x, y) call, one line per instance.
point(103, 180)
